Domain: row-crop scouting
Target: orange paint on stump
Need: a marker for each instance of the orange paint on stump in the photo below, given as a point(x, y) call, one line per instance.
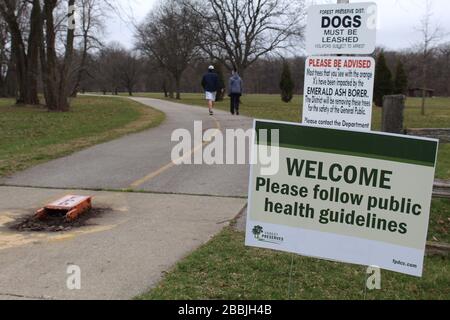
point(73, 205)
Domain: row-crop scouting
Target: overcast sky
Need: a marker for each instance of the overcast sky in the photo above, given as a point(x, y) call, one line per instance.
point(397, 20)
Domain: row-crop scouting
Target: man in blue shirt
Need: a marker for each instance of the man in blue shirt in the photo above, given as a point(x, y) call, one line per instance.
point(210, 84)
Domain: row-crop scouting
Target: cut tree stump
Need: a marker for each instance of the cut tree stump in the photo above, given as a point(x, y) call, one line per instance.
point(437, 249)
point(392, 114)
point(443, 134)
point(441, 189)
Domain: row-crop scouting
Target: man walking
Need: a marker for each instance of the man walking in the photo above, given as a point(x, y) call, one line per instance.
point(235, 92)
point(210, 84)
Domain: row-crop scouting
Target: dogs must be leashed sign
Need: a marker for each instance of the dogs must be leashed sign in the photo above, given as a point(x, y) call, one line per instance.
point(356, 197)
point(341, 29)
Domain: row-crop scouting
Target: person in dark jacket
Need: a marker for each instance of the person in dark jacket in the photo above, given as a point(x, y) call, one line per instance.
point(210, 84)
point(235, 88)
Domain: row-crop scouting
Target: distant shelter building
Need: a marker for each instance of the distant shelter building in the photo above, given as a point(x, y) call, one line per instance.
point(417, 92)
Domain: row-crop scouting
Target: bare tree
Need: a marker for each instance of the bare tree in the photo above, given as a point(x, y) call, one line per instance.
point(238, 32)
point(171, 35)
point(55, 72)
point(431, 35)
point(444, 51)
point(113, 62)
point(106, 73)
point(92, 14)
point(129, 70)
point(34, 26)
point(25, 51)
point(7, 89)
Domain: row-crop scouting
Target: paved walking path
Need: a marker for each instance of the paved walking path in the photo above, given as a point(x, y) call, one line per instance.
point(140, 161)
point(124, 251)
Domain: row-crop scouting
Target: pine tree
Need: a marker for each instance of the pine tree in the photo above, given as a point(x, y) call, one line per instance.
point(383, 80)
point(286, 83)
point(219, 70)
point(401, 79)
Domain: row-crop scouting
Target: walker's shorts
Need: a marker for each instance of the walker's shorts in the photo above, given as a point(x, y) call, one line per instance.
point(210, 96)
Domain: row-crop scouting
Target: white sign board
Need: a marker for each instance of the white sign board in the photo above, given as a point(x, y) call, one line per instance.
point(349, 196)
point(338, 92)
point(341, 29)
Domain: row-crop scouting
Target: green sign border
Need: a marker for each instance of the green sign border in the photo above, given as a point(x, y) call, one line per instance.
point(361, 144)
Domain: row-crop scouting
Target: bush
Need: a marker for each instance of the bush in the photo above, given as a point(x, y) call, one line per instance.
point(383, 80)
point(401, 79)
point(286, 83)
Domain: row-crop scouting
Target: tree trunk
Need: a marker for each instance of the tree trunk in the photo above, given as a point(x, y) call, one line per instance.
point(64, 79)
point(166, 94)
point(49, 70)
point(423, 102)
point(447, 80)
point(392, 114)
point(18, 50)
point(21, 77)
point(11, 80)
point(33, 53)
point(424, 83)
point(168, 80)
point(56, 81)
point(171, 91)
point(178, 87)
point(82, 65)
point(26, 66)
point(241, 70)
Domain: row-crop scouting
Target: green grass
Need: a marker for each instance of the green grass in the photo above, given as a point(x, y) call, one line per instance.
point(443, 163)
point(31, 135)
point(226, 269)
point(439, 221)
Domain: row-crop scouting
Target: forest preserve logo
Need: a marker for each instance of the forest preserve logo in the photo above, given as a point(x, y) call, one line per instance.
point(266, 236)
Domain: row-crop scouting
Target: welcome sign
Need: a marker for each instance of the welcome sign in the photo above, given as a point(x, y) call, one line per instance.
point(355, 197)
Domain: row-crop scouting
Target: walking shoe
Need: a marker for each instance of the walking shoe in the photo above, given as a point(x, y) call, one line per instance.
point(211, 112)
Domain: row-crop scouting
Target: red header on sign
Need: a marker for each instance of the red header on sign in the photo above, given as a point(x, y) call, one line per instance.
point(340, 63)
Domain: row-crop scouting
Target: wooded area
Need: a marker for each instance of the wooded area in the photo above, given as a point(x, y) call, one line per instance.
point(48, 55)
